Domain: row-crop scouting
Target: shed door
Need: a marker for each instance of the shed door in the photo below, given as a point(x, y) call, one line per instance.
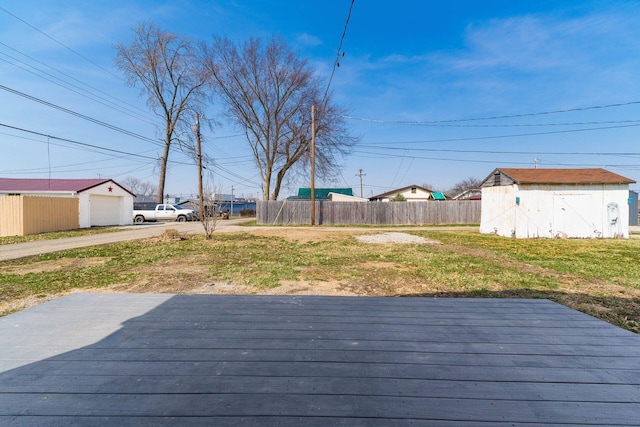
point(105, 210)
point(574, 215)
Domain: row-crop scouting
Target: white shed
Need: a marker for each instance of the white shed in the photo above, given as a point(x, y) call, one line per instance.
point(101, 201)
point(575, 203)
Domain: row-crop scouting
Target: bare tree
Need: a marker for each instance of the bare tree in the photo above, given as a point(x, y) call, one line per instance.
point(172, 78)
point(210, 213)
point(469, 183)
point(139, 188)
point(268, 91)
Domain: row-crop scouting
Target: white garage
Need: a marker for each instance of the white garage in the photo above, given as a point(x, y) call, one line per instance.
point(102, 202)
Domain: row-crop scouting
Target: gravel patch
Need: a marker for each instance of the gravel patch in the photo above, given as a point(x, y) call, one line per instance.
point(395, 238)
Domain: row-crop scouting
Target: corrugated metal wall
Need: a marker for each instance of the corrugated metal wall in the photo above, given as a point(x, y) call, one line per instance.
point(25, 215)
point(371, 213)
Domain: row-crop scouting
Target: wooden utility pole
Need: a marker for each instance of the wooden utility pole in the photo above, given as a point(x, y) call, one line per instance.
point(313, 165)
point(196, 129)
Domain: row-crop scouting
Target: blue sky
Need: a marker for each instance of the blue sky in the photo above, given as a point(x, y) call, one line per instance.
point(437, 91)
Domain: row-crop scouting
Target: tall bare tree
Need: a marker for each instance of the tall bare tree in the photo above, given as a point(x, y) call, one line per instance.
point(172, 78)
point(268, 91)
point(138, 187)
point(469, 183)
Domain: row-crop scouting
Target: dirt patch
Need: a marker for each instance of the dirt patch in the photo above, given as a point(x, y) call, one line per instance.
point(287, 287)
point(395, 238)
point(169, 235)
point(300, 235)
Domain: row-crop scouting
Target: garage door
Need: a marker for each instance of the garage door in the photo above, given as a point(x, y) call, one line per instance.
point(105, 210)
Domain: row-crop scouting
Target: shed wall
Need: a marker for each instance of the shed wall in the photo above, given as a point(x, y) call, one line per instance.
point(575, 211)
point(26, 215)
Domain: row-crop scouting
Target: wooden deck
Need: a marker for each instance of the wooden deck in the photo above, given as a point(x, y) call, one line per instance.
point(123, 359)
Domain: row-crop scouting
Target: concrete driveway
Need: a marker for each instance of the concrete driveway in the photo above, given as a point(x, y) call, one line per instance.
point(139, 231)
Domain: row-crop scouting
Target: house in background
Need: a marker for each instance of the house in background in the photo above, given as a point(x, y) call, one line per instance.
point(540, 202)
point(410, 193)
point(320, 193)
point(100, 201)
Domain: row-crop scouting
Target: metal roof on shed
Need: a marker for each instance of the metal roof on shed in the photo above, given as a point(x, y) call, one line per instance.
point(44, 184)
point(322, 193)
point(562, 176)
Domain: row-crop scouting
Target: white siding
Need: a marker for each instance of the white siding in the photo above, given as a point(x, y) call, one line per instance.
point(419, 195)
point(575, 211)
point(337, 197)
point(99, 206)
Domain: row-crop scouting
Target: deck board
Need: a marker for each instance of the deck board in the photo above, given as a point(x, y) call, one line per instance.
point(109, 359)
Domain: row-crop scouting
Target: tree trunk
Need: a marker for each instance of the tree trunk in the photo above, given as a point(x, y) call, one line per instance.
point(163, 171)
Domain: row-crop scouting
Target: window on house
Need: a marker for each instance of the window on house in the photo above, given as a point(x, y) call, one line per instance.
point(496, 178)
point(413, 190)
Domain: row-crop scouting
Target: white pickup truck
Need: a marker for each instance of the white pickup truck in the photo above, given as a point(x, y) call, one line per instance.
point(163, 212)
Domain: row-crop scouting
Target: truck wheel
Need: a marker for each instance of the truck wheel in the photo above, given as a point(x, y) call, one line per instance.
point(139, 219)
point(182, 218)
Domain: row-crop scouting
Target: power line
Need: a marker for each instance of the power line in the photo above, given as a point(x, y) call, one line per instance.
point(478, 138)
point(568, 110)
point(336, 63)
point(492, 161)
point(496, 125)
point(133, 108)
point(499, 152)
point(82, 116)
point(106, 103)
point(84, 144)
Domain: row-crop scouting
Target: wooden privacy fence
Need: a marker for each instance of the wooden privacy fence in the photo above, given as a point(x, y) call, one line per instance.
point(25, 215)
point(370, 213)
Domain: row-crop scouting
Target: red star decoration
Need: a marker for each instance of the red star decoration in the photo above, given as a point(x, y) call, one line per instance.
point(110, 189)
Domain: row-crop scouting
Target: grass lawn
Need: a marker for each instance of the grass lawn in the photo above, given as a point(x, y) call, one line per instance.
point(598, 277)
point(7, 240)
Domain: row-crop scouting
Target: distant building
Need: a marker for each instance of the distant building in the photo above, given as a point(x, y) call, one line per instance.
point(338, 197)
point(410, 193)
point(101, 201)
point(320, 193)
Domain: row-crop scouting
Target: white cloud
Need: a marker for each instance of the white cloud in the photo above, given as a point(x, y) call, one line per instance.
point(306, 39)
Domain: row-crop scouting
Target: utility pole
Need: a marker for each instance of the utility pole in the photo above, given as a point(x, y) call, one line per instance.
point(361, 174)
point(313, 165)
point(231, 213)
point(535, 163)
point(196, 129)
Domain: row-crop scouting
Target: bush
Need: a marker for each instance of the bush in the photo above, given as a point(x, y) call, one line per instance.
point(247, 212)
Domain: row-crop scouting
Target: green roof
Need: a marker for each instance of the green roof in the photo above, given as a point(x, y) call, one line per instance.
point(322, 193)
point(437, 195)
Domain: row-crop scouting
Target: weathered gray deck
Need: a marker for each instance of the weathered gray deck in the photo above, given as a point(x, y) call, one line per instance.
point(122, 359)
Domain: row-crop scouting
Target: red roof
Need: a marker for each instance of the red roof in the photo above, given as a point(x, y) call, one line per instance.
point(564, 176)
point(37, 184)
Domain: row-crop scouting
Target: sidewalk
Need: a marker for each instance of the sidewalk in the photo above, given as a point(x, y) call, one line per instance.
point(133, 232)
